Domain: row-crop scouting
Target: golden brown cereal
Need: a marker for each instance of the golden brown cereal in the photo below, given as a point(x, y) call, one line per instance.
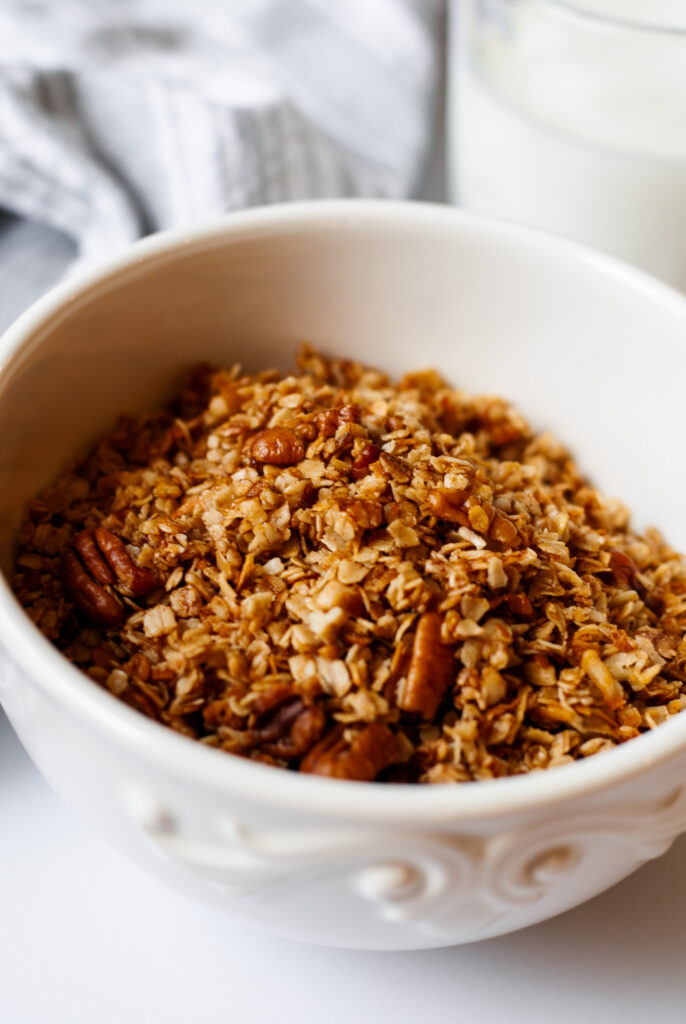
point(335, 574)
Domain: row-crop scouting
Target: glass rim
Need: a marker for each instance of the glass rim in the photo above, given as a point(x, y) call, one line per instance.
point(577, 12)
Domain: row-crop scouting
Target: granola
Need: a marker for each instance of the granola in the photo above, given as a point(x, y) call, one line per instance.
point(335, 574)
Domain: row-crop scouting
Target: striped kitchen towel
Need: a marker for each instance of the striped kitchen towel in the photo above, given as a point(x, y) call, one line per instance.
point(119, 117)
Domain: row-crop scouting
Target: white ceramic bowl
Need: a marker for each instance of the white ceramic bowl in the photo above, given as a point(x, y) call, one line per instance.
point(586, 347)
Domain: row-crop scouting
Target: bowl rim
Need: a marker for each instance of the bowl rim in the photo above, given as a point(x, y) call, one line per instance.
point(186, 759)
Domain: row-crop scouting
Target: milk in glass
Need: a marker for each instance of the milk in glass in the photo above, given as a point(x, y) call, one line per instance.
point(575, 123)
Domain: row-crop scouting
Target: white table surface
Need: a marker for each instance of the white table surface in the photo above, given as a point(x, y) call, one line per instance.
point(85, 938)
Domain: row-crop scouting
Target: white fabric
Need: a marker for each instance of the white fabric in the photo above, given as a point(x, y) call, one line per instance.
point(118, 117)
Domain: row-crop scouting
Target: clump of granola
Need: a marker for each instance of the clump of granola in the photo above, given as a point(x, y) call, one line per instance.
point(335, 574)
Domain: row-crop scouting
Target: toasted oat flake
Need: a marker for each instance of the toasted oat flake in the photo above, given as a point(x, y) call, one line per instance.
point(331, 573)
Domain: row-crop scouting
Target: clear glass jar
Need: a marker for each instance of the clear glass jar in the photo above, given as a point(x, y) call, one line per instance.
point(571, 116)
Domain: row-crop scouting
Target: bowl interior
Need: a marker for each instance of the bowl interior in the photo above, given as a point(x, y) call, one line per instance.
point(586, 348)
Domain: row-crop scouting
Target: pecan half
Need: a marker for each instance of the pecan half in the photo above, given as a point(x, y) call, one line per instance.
point(103, 561)
point(286, 726)
point(138, 580)
point(431, 671)
point(91, 557)
point(277, 446)
point(90, 597)
point(372, 749)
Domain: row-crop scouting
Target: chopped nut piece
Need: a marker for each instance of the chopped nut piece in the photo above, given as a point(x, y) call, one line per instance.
point(278, 446)
point(520, 605)
point(370, 751)
point(361, 464)
point(329, 420)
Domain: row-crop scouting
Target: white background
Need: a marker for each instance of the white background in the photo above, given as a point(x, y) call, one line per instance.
point(85, 938)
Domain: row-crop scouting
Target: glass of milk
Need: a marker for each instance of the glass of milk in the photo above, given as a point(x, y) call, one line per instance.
point(571, 116)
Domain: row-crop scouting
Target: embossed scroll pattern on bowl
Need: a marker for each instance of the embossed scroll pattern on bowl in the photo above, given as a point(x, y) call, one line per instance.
point(447, 885)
